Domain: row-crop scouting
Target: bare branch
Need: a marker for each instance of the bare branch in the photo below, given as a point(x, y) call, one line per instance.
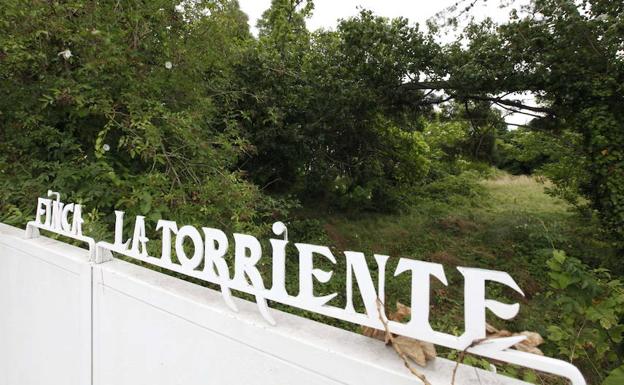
point(390, 340)
point(446, 86)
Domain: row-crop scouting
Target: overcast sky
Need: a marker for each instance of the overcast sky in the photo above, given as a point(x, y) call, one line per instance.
point(327, 13)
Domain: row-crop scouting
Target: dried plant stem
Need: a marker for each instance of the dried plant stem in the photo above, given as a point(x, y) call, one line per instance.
point(462, 355)
point(390, 340)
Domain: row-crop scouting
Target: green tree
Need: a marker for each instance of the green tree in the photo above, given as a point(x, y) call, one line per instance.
point(322, 116)
point(124, 104)
point(570, 55)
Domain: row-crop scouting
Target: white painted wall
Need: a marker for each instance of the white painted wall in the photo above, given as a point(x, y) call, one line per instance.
point(45, 311)
point(149, 328)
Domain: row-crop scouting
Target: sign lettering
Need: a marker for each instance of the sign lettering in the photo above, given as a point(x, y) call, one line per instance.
point(204, 258)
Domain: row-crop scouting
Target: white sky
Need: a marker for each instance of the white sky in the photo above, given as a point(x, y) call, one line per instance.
point(327, 13)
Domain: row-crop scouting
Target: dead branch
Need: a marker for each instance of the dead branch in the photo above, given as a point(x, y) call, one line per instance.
point(390, 340)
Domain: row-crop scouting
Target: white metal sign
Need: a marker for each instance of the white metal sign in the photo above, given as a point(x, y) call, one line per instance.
point(210, 247)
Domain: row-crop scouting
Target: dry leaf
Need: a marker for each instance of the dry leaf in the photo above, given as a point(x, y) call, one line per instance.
point(418, 351)
point(429, 349)
point(401, 313)
point(529, 345)
point(412, 349)
point(529, 349)
point(490, 329)
point(493, 332)
point(533, 339)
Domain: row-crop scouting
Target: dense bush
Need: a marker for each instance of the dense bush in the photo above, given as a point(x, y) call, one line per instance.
point(524, 151)
point(320, 117)
point(464, 187)
point(118, 105)
point(589, 328)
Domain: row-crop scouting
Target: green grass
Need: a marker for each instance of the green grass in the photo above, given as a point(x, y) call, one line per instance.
point(523, 194)
point(512, 227)
point(504, 230)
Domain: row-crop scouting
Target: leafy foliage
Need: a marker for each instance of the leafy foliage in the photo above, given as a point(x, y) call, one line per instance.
point(615, 377)
point(569, 54)
point(322, 120)
point(117, 105)
point(590, 327)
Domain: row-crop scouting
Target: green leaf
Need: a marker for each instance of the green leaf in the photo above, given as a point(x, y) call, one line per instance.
point(616, 377)
point(559, 256)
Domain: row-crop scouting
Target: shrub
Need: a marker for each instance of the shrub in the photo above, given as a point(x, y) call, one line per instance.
point(464, 187)
point(589, 325)
point(113, 104)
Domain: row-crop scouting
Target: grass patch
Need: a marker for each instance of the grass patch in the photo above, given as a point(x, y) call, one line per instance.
point(513, 226)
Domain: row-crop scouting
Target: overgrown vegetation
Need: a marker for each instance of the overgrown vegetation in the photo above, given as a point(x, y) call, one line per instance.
point(373, 136)
point(510, 225)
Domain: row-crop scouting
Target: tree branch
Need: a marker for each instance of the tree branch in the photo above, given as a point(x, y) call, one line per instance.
point(515, 111)
point(511, 103)
point(446, 86)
